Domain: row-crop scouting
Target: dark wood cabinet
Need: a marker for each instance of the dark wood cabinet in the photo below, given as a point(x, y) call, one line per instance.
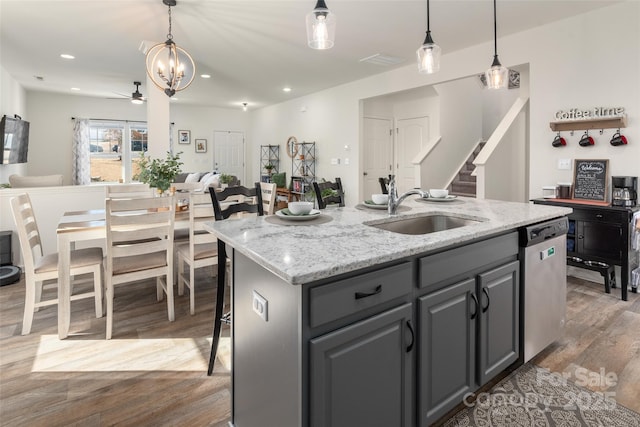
point(600, 234)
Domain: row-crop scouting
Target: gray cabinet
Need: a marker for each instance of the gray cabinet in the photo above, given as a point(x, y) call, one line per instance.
point(499, 339)
point(447, 342)
point(361, 375)
point(468, 322)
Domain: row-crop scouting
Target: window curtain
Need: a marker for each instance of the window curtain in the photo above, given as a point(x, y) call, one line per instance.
point(81, 173)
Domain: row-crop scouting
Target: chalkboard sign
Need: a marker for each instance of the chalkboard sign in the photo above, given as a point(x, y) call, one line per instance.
point(590, 179)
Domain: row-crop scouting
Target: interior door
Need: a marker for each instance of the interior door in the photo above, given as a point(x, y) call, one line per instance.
point(378, 154)
point(412, 135)
point(228, 153)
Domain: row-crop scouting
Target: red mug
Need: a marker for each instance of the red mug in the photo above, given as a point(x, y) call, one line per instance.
point(618, 139)
point(586, 140)
point(559, 141)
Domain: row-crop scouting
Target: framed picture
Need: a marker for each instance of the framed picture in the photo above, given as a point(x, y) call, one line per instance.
point(184, 137)
point(201, 145)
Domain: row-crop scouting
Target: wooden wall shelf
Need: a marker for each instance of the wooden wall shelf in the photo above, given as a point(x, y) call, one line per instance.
point(586, 124)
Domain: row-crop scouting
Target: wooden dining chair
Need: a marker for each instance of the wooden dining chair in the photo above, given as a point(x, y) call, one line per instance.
point(200, 250)
point(127, 191)
point(268, 193)
point(329, 193)
point(139, 246)
point(237, 203)
point(39, 267)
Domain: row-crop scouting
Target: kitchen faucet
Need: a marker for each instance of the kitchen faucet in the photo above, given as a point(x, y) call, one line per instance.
point(395, 200)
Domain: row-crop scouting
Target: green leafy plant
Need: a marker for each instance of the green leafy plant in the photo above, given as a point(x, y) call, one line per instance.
point(159, 173)
point(226, 179)
point(269, 167)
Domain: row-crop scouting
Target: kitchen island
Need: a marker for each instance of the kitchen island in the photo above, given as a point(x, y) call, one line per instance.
point(342, 323)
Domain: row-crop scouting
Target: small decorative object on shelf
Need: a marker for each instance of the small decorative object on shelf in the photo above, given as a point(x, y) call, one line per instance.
point(586, 140)
point(618, 139)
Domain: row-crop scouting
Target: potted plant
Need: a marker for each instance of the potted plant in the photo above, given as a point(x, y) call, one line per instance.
point(159, 173)
point(225, 180)
point(269, 168)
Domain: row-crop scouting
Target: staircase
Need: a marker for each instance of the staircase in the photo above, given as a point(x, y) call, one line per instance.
point(464, 184)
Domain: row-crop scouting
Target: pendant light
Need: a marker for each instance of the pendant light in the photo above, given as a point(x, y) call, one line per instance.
point(321, 27)
point(497, 76)
point(136, 97)
point(170, 67)
point(429, 53)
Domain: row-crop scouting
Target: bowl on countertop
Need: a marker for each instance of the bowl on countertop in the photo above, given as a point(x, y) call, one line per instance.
point(300, 208)
point(438, 193)
point(380, 199)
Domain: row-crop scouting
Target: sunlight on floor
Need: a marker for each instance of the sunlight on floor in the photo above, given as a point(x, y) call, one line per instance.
point(169, 354)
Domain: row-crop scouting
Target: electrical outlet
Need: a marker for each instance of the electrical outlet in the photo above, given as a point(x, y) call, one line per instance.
point(564, 164)
point(260, 305)
point(334, 161)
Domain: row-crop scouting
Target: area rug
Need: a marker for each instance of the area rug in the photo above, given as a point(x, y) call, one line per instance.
point(534, 396)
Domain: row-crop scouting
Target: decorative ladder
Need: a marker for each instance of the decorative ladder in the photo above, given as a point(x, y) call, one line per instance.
point(464, 184)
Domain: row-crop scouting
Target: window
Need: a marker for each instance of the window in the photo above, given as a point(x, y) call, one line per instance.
point(115, 148)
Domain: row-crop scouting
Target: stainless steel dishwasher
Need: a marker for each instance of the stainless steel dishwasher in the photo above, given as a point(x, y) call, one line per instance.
point(543, 251)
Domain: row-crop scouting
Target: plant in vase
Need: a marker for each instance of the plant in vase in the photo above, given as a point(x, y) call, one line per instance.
point(225, 180)
point(159, 173)
point(269, 168)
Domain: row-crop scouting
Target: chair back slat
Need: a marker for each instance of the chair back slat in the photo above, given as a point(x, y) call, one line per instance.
point(128, 191)
point(336, 198)
point(268, 193)
point(27, 228)
point(231, 193)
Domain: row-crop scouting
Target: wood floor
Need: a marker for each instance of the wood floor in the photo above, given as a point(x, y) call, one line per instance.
point(153, 372)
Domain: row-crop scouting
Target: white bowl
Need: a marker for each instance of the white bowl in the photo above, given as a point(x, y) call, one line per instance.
point(380, 199)
point(300, 208)
point(438, 193)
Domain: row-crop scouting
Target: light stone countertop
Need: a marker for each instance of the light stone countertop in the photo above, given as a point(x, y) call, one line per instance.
point(306, 252)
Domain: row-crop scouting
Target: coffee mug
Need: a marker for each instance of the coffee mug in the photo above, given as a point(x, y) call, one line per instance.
point(618, 139)
point(559, 141)
point(586, 140)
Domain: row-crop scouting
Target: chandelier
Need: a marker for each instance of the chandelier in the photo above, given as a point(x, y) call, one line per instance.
point(169, 66)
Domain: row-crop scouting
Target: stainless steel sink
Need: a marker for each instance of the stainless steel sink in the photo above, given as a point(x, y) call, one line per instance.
point(423, 224)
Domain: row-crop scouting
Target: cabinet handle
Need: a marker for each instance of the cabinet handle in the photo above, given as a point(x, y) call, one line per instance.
point(486, 292)
point(475, 303)
point(413, 336)
point(376, 291)
point(599, 216)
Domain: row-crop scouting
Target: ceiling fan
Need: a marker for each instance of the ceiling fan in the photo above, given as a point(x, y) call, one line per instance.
point(136, 97)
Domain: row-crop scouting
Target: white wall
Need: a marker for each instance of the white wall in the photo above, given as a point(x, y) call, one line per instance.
point(12, 101)
point(568, 68)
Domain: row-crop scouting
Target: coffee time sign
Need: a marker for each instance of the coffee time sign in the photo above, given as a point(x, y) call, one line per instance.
point(594, 113)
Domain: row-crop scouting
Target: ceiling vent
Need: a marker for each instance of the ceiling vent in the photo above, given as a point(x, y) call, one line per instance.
point(380, 59)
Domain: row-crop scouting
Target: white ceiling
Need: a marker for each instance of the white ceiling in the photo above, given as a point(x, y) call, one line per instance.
point(252, 49)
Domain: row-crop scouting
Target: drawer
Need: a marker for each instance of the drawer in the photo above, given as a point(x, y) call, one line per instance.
point(438, 268)
point(348, 296)
point(599, 215)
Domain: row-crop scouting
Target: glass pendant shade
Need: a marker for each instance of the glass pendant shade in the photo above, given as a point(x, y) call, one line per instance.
point(321, 27)
point(428, 56)
point(497, 76)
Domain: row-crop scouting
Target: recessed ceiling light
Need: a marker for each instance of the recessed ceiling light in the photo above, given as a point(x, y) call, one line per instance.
point(67, 56)
point(205, 76)
point(286, 89)
point(75, 88)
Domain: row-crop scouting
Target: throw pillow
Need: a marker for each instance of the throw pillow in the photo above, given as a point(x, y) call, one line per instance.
point(193, 177)
point(212, 181)
point(280, 179)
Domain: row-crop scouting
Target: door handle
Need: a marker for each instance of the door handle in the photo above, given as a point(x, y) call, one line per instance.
point(413, 336)
point(486, 292)
point(475, 303)
point(365, 173)
point(377, 290)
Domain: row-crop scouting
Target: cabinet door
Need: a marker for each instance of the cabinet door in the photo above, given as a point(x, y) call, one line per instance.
point(446, 352)
point(499, 338)
point(601, 240)
point(361, 375)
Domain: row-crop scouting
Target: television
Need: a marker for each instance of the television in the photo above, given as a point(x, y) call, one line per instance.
point(15, 132)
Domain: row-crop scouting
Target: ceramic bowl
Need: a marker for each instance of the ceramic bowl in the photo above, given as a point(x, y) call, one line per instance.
point(380, 199)
point(300, 208)
point(438, 193)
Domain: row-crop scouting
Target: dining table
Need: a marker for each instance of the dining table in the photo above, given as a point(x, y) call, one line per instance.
point(77, 226)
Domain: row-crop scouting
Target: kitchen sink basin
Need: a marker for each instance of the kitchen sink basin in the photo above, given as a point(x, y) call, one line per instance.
point(423, 224)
